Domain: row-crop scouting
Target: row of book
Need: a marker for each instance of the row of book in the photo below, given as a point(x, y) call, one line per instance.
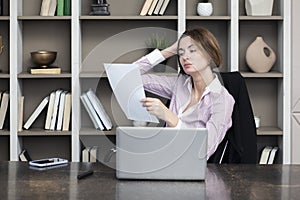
point(154, 7)
point(90, 154)
point(268, 155)
point(4, 99)
point(58, 113)
point(55, 8)
point(96, 111)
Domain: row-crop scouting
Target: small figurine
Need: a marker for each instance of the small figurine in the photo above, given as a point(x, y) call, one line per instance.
point(100, 7)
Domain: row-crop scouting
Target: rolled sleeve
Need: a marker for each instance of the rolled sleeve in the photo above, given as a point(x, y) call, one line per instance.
point(155, 57)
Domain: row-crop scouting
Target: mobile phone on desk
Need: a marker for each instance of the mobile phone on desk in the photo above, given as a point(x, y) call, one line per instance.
point(46, 162)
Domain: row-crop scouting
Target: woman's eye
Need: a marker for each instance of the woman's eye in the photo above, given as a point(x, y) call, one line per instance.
point(193, 50)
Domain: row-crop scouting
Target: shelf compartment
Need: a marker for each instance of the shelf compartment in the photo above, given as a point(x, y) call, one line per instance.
point(4, 146)
point(220, 8)
point(4, 56)
point(56, 36)
point(269, 31)
point(40, 147)
point(128, 7)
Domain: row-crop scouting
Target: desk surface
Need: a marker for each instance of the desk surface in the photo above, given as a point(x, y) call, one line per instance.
point(224, 182)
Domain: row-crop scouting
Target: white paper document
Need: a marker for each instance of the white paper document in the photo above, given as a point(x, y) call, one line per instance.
point(126, 83)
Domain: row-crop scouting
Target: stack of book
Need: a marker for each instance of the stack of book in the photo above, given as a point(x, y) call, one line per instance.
point(96, 111)
point(55, 8)
point(58, 113)
point(4, 99)
point(154, 7)
point(268, 155)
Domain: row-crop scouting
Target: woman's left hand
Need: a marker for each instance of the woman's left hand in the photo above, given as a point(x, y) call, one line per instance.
point(155, 107)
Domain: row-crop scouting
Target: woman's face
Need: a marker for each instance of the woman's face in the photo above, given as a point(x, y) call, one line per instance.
point(191, 57)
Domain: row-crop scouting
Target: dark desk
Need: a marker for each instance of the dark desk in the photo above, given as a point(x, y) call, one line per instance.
point(18, 181)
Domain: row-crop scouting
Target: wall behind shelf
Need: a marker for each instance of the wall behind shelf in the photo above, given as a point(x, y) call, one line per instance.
point(4, 56)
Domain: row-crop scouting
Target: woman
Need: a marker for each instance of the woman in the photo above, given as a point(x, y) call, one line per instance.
point(197, 97)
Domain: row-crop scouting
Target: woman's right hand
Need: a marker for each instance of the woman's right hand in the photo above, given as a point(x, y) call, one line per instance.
point(170, 51)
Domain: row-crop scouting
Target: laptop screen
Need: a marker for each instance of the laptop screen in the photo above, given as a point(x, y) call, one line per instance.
point(161, 153)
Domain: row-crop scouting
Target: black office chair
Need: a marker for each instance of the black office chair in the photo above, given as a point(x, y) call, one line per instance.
point(239, 144)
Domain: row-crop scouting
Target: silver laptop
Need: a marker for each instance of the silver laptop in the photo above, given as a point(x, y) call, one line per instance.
point(161, 153)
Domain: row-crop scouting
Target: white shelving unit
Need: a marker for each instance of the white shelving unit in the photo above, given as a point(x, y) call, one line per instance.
point(232, 27)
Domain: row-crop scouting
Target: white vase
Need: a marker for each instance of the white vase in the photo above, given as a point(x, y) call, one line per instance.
point(204, 9)
point(259, 7)
point(259, 56)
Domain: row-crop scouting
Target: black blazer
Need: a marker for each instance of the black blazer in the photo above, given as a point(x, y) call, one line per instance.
point(241, 137)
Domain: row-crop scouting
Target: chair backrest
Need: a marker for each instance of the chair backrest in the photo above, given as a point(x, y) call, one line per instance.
point(239, 144)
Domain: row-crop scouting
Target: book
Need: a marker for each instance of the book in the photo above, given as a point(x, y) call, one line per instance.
point(146, 7)
point(272, 155)
point(152, 7)
point(52, 8)
point(99, 109)
point(47, 70)
point(86, 154)
point(60, 8)
point(61, 111)
point(158, 7)
point(3, 108)
point(55, 109)
point(0, 96)
point(20, 113)
point(265, 155)
point(45, 7)
point(36, 113)
point(91, 112)
point(24, 156)
point(67, 112)
point(164, 7)
point(50, 110)
point(94, 154)
point(67, 7)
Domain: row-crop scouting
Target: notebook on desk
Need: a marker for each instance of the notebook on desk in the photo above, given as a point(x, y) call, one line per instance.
point(161, 153)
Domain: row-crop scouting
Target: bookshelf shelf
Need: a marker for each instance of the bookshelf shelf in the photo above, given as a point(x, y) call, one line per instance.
point(92, 131)
point(4, 132)
point(269, 131)
point(276, 18)
point(4, 18)
point(272, 74)
point(24, 75)
point(44, 18)
point(4, 75)
point(87, 17)
point(42, 132)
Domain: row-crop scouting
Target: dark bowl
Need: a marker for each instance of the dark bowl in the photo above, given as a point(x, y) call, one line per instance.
point(43, 58)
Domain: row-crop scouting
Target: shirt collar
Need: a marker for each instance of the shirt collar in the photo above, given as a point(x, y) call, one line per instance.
point(214, 86)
